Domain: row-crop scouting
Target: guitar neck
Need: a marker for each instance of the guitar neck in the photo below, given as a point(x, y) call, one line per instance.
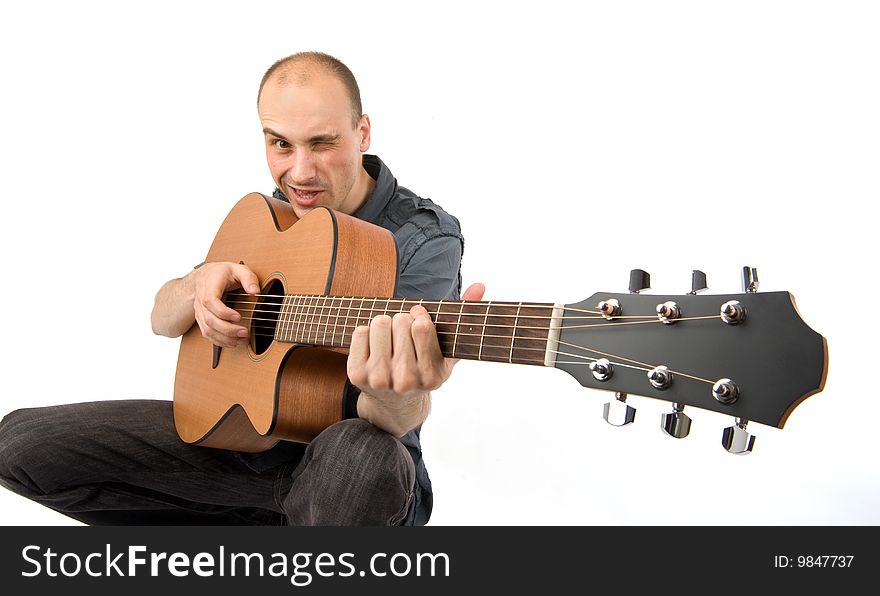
point(488, 331)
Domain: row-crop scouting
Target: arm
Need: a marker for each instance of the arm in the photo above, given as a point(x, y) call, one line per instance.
point(197, 297)
point(396, 362)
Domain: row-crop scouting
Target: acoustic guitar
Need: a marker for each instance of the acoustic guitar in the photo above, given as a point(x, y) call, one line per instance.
point(749, 355)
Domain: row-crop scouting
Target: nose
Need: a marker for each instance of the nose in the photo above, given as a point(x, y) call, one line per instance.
point(302, 169)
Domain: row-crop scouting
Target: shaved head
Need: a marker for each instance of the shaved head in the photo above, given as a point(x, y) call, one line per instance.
point(298, 69)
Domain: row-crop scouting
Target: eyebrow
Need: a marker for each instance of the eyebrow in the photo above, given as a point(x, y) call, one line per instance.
point(324, 138)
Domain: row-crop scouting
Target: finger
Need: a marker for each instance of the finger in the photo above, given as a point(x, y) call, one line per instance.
point(358, 354)
point(379, 363)
point(218, 308)
point(380, 339)
point(474, 292)
point(220, 327)
point(405, 373)
point(401, 338)
point(210, 334)
point(245, 278)
point(427, 346)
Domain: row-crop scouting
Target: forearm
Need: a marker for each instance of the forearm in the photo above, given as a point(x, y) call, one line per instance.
point(173, 312)
point(398, 416)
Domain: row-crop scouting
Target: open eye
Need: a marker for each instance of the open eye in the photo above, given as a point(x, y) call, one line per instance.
point(281, 144)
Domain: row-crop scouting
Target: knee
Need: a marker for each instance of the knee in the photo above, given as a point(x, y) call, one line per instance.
point(19, 444)
point(365, 446)
point(353, 473)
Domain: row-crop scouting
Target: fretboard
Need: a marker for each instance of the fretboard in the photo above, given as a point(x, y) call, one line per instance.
point(492, 331)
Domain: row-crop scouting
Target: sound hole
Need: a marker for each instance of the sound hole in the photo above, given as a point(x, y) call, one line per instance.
point(265, 319)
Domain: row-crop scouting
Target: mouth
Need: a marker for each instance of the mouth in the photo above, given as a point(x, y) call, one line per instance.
point(305, 197)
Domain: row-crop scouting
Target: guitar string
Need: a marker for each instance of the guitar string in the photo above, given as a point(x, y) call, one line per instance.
point(404, 300)
point(340, 307)
point(308, 318)
point(643, 365)
point(311, 323)
point(315, 327)
point(589, 360)
point(313, 308)
point(305, 313)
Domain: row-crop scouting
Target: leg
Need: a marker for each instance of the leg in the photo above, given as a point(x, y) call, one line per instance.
point(121, 462)
point(351, 474)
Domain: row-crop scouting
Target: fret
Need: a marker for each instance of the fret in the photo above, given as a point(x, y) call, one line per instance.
point(282, 326)
point(360, 313)
point(346, 334)
point(533, 328)
point(316, 328)
point(298, 325)
point(294, 326)
point(279, 322)
point(327, 312)
point(483, 330)
point(513, 336)
point(312, 314)
point(333, 340)
point(497, 332)
point(457, 329)
point(282, 320)
point(372, 311)
point(327, 319)
point(303, 317)
point(470, 328)
point(445, 322)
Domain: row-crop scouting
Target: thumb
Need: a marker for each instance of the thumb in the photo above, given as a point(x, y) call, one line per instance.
point(475, 291)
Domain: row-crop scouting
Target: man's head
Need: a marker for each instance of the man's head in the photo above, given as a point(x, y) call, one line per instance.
point(310, 110)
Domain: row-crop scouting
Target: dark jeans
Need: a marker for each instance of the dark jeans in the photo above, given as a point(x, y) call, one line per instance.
point(121, 462)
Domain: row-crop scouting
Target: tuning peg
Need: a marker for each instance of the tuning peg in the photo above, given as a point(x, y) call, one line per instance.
point(736, 440)
point(698, 282)
point(639, 280)
point(676, 423)
point(617, 412)
point(750, 279)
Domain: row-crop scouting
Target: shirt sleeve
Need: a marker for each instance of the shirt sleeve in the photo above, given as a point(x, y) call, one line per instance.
point(432, 270)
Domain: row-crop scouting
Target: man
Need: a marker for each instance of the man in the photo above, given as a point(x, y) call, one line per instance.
point(122, 462)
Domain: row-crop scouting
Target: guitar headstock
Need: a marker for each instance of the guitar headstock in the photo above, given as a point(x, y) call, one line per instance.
point(748, 355)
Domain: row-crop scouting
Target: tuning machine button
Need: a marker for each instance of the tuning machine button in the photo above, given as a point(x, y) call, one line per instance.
point(676, 424)
point(736, 439)
point(617, 412)
point(750, 280)
point(698, 282)
point(639, 280)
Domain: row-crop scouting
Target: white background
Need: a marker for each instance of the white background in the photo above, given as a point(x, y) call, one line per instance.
point(574, 144)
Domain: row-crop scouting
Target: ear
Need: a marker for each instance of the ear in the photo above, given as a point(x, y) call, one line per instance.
point(364, 130)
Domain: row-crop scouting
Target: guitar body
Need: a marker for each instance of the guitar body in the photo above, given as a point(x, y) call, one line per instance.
point(250, 397)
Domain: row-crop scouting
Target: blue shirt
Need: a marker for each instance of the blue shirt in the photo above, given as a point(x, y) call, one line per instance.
point(429, 248)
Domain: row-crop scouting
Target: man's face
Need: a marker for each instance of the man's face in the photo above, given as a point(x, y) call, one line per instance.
point(313, 151)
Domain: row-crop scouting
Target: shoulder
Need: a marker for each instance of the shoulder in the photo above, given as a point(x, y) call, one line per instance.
point(420, 215)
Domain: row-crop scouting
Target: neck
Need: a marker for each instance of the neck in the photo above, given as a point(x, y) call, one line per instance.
point(492, 331)
point(359, 193)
